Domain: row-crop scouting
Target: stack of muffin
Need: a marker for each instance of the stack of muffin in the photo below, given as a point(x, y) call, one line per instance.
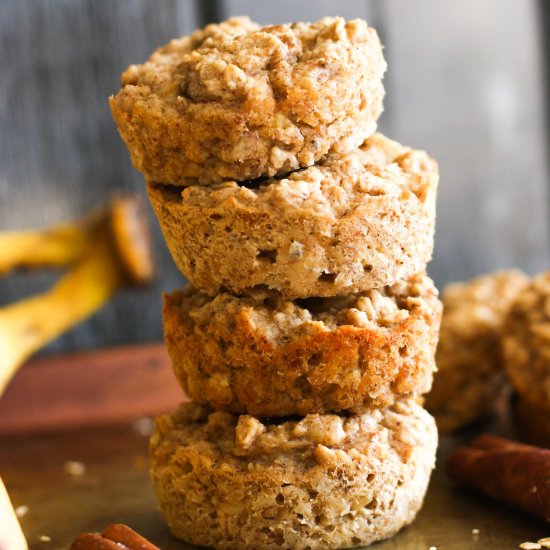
point(310, 327)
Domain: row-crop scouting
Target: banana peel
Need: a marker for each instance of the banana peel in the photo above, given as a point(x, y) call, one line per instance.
point(57, 246)
point(117, 254)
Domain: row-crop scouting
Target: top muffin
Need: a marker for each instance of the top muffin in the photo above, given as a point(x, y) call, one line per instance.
point(236, 101)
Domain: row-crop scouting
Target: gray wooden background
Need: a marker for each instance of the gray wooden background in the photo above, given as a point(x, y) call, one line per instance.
point(465, 82)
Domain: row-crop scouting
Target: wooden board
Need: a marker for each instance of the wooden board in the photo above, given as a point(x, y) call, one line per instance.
point(115, 488)
point(113, 388)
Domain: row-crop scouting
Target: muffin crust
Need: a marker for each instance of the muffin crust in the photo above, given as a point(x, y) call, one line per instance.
point(264, 355)
point(324, 481)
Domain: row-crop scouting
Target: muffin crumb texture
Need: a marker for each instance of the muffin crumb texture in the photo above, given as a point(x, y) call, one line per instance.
point(324, 481)
point(236, 101)
point(264, 355)
point(356, 221)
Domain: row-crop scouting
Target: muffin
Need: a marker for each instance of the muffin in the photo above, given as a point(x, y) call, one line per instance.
point(236, 101)
point(263, 355)
point(526, 342)
point(470, 375)
point(354, 222)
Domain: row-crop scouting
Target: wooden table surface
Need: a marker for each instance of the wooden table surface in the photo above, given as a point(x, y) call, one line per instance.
point(73, 392)
point(115, 488)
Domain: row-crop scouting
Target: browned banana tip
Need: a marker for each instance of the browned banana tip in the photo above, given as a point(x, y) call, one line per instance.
point(131, 237)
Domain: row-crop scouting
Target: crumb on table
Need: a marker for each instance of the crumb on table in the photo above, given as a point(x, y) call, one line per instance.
point(21, 511)
point(74, 468)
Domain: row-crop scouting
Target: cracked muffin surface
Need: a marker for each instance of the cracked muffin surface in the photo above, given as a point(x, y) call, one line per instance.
point(236, 101)
point(324, 481)
point(470, 371)
point(268, 356)
point(357, 221)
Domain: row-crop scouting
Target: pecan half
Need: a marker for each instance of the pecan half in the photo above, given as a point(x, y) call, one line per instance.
point(114, 537)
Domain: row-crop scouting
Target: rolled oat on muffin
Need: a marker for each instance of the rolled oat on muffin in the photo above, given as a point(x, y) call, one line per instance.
point(470, 371)
point(360, 220)
point(324, 481)
point(236, 101)
point(261, 354)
